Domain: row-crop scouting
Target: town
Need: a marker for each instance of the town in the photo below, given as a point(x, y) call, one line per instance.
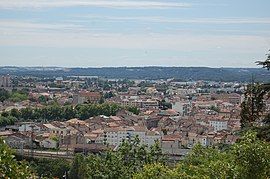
point(134, 89)
point(89, 114)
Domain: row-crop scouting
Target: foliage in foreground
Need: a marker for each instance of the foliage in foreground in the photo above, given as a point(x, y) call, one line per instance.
point(123, 163)
point(50, 168)
point(254, 114)
point(249, 159)
point(9, 167)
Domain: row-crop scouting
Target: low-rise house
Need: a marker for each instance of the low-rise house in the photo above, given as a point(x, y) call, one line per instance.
point(168, 112)
point(96, 136)
point(18, 140)
point(59, 130)
point(49, 143)
point(218, 139)
point(31, 126)
point(86, 97)
point(204, 140)
point(171, 144)
point(231, 139)
point(4, 134)
point(192, 139)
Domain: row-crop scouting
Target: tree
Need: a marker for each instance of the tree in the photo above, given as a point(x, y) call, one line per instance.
point(130, 158)
point(42, 99)
point(9, 167)
point(78, 167)
point(101, 100)
point(249, 158)
point(9, 120)
point(5, 114)
point(54, 112)
point(156, 171)
point(134, 110)
point(108, 95)
point(165, 105)
point(214, 108)
point(50, 168)
point(69, 112)
point(266, 63)
point(108, 165)
point(253, 105)
point(26, 113)
point(15, 112)
point(83, 112)
point(18, 96)
point(4, 95)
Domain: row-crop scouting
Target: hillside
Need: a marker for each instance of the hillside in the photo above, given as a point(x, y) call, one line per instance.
point(182, 73)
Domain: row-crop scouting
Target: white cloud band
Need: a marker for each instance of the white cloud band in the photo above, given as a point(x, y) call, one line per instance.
point(11, 4)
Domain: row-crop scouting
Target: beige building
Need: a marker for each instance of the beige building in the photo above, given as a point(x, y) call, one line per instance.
point(5, 81)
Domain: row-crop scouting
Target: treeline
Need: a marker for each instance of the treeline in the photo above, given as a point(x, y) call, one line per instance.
point(56, 112)
point(9, 120)
point(14, 96)
point(184, 73)
point(249, 158)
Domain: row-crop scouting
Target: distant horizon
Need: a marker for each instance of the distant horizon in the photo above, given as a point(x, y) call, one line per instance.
point(148, 72)
point(153, 66)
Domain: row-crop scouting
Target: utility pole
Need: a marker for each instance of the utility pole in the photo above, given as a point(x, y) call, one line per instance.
point(83, 144)
point(67, 142)
point(32, 143)
point(22, 152)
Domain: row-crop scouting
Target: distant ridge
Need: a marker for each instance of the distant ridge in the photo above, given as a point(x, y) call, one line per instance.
point(181, 73)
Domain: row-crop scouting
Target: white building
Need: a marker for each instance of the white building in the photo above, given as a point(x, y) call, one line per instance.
point(147, 104)
point(116, 135)
point(185, 92)
point(31, 126)
point(219, 124)
point(182, 107)
point(204, 140)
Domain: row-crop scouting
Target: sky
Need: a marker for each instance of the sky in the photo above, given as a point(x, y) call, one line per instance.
point(113, 33)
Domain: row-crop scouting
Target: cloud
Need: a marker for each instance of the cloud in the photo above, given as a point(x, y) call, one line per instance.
point(158, 19)
point(29, 33)
point(182, 42)
point(31, 25)
point(14, 4)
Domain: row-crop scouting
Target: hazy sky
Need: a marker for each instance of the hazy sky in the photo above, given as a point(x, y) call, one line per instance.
point(95, 33)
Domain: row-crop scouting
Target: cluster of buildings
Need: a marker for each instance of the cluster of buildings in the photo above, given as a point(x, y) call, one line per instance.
point(177, 115)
